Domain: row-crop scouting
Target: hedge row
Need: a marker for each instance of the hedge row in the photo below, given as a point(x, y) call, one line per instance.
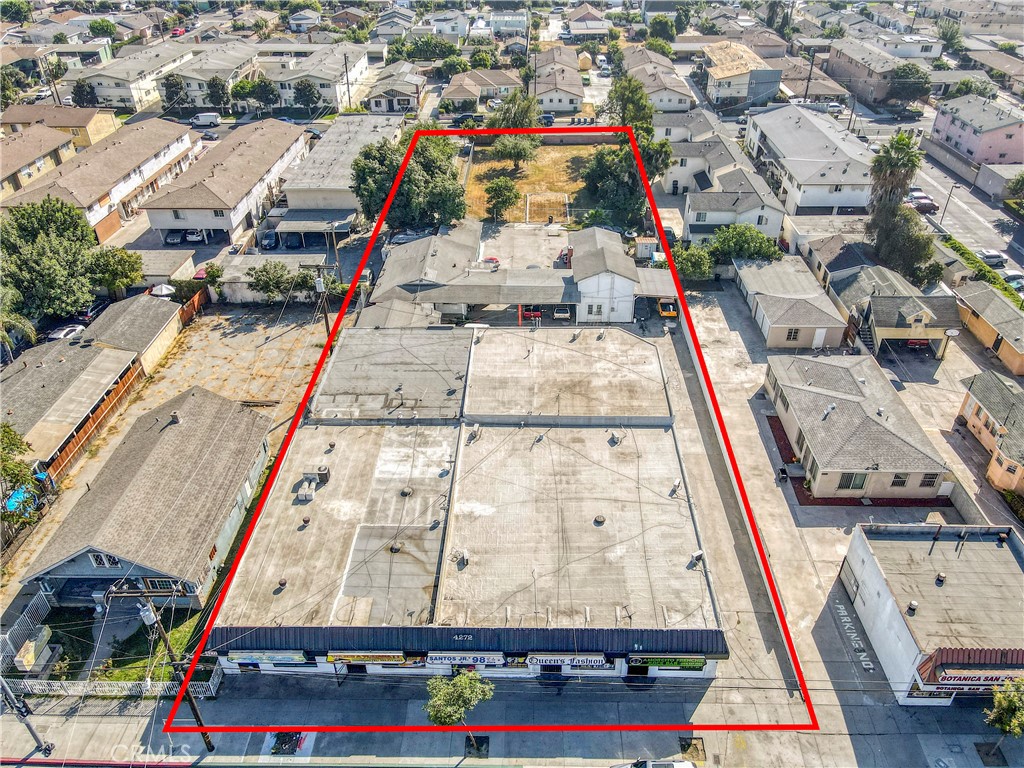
point(1016, 504)
point(982, 271)
point(1015, 207)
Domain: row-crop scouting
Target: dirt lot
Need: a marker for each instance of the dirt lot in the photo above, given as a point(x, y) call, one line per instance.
point(243, 353)
point(556, 171)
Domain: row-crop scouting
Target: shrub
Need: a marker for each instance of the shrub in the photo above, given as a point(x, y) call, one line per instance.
point(1015, 503)
point(982, 271)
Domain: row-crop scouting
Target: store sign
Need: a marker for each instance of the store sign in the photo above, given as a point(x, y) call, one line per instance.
point(361, 657)
point(481, 659)
point(977, 679)
point(688, 663)
point(596, 660)
point(267, 657)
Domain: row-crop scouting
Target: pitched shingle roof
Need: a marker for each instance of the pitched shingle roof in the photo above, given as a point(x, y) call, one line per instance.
point(132, 324)
point(597, 250)
point(27, 145)
point(997, 310)
point(1003, 399)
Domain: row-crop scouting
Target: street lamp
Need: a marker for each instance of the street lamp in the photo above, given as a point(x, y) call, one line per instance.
point(946, 206)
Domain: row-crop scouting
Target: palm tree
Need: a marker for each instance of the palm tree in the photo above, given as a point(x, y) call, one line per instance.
point(894, 168)
point(10, 320)
point(772, 15)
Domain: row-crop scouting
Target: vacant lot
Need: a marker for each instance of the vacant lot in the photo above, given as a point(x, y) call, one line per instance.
point(556, 172)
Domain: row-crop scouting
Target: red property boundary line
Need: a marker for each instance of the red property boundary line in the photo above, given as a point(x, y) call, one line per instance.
point(812, 723)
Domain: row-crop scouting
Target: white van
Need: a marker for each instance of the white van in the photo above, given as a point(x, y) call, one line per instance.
point(601, 61)
point(205, 120)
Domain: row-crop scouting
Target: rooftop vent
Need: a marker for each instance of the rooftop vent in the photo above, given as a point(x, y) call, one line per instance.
point(912, 608)
point(175, 418)
point(940, 579)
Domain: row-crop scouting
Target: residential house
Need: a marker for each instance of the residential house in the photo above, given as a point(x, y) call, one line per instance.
point(336, 70)
point(350, 17)
point(737, 77)
point(835, 257)
point(736, 196)
point(60, 393)
point(818, 166)
point(695, 162)
point(144, 324)
point(516, 46)
point(605, 276)
point(667, 92)
point(585, 12)
point(638, 57)
point(850, 429)
point(399, 89)
point(479, 84)
point(1001, 67)
point(993, 411)
point(30, 153)
point(86, 126)
point(995, 321)
point(800, 80)
point(110, 180)
point(763, 42)
point(250, 16)
point(955, 271)
point(820, 46)
point(909, 46)
point(695, 125)
point(132, 81)
point(692, 46)
point(863, 70)
point(452, 25)
point(393, 24)
point(505, 23)
point(44, 32)
point(553, 59)
point(981, 130)
point(560, 91)
point(176, 542)
point(945, 80)
point(304, 21)
point(788, 305)
point(136, 25)
point(232, 62)
point(582, 31)
point(892, 18)
point(232, 185)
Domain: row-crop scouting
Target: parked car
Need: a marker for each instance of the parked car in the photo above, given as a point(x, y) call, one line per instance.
point(286, 120)
point(315, 133)
point(531, 311)
point(493, 103)
point(923, 205)
point(605, 72)
point(173, 237)
point(547, 119)
point(558, 9)
point(88, 314)
point(205, 120)
point(65, 332)
point(835, 108)
point(43, 94)
point(562, 312)
point(741, 120)
point(292, 240)
point(177, 32)
point(564, 36)
point(462, 119)
point(67, 101)
point(209, 136)
point(585, 78)
point(193, 236)
point(991, 257)
point(270, 240)
point(667, 308)
point(366, 277)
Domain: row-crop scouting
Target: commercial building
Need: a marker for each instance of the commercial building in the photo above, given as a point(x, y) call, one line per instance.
point(993, 410)
point(231, 186)
point(110, 181)
point(980, 130)
point(924, 594)
point(818, 166)
point(163, 511)
point(788, 305)
point(29, 154)
point(401, 539)
point(738, 77)
point(995, 321)
point(86, 126)
point(851, 432)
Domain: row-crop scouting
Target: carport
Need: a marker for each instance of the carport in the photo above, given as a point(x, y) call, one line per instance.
point(477, 289)
point(655, 283)
point(317, 227)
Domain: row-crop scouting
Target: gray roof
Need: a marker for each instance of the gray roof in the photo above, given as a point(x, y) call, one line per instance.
point(221, 60)
point(329, 163)
point(718, 152)
point(139, 63)
point(428, 262)
point(696, 121)
point(564, 79)
point(838, 253)
point(874, 59)
point(788, 293)
point(166, 491)
point(29, 144)
point(51, 389)
point(869, 282)
point(402, 77)
point(505, 286)
point(397, 314)
point(737, 190)
point(225, 174)
point(132, 324)
point(869, 423)
point(1003, 398)
point(983, 114)
point(50, 115)
point(597, 250)
point(895, 311)
point(999, 61)
point(997, 310)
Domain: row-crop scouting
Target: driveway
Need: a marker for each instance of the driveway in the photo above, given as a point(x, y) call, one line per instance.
point(550, 32)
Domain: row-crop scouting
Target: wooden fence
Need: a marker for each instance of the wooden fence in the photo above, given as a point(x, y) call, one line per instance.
point(191, 307)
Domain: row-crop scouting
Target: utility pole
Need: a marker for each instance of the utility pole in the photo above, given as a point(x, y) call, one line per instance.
point(810, 73)
point(150, 617)
point(853, 109)
point(348, 84)
point(321, 289)
point(22, 710)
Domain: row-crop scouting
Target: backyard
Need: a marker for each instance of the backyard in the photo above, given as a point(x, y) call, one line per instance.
point(556, 172)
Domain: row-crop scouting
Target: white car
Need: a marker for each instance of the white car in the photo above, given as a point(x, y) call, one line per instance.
point(991, 257)
point(562, 312)
point(64, 332)
point(494, 103)
point(193, 236)
point(67, 101)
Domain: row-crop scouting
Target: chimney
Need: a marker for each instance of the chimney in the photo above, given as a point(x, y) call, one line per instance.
point(175, 418)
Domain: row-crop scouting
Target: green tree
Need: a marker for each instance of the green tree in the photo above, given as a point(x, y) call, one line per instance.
point(517, 110)
point(51, 274)
point(16, 11)
point(663, 27)
point(480, 59)
point(693, 263)
point(114, 268)
point(450, 699)
point(893, 169)
point(834, 32)
point(304, 5)
point(217, 92)
point(950, 35)
point(518, 149)
point(908, 83)
point(502, 194)
point(175, 93)
point(56, 68)
point(12, 83)
point(26, 222)
point(430, 47)
point(902, 242)
point(83, 94)
point(708, 27)
point(15, 473)
point(214, 276)
point(742, 241)
point(772, 13)
point(11, 319)
point(452, 66)
point(265, 92)
point(60, 39)
point(372, 173)
point(1015, 186)
point(242, 90)
point(971, 87)
point(307, 94)
point(627, 103)
point(682, 20)
point(103, 28)
point(941, 65)
point(1007, 713)
point(657, 45)
point(271, 278)
point(1009, 47)
point(640, 34)
point(261, 28)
